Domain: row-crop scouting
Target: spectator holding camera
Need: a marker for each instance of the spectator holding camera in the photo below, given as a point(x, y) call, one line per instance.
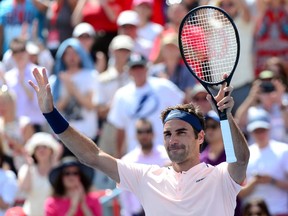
point(267, 170)
point(267, 93)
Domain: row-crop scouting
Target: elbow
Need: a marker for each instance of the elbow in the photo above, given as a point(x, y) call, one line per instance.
point(244, 158)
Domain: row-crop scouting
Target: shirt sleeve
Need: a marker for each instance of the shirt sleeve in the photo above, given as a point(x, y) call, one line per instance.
point(49, 207)
point(229, 187)
point(131, 175)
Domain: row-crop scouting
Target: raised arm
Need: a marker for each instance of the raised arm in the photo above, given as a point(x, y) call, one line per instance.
point(238, 169)
point(84, 148)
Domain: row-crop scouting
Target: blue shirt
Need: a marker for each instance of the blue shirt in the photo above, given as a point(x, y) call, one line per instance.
point(13, 15)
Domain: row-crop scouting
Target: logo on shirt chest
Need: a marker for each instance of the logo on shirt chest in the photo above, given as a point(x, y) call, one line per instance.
point(198, 180)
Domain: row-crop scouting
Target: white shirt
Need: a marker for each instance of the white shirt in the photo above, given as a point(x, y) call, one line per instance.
point(203, 190)
point(40, 190)
point(25, 106)
point(157, 156)
point(273, 161)
point(126, 109)
point(244, 72)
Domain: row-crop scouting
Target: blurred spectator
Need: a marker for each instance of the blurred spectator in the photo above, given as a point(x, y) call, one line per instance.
point(17, 79)
point(6, 162)
point(59, 23)
point(72, 193)
point(271, 36)
point(42, 151)
point(256, 207)
point(86, 34)
point(198, 96)
point(128, 24)
point(115, 77)
point(191, 4)
point(73, 86)
point(267, 171)
point(14, 131)
point(279, 68)
point(144, 97)
point(266, 93)
point(175, 14)
point(244, 72)
point(17, 18)
point(102, 15)
point(8, 190)
point(145, 153)
point(214, 152)
point(38, 55)
point(171, 65)
point(147, 29)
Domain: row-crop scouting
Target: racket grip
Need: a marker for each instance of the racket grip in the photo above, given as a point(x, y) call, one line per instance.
point(228, 142)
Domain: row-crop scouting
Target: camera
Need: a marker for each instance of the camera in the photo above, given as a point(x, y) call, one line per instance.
point(267, 86)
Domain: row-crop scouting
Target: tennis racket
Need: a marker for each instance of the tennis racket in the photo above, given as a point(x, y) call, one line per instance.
point(209, 45)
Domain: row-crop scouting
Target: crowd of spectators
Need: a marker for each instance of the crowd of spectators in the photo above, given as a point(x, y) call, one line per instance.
point(114, 65)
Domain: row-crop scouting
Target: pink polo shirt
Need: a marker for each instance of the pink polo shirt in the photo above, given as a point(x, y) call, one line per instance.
point(203, 190)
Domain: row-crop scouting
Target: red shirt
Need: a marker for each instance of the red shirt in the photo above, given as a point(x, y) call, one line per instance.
point(96, 16)
point(59, 206)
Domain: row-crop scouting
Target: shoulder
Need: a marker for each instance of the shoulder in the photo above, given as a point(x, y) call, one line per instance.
point(7, 174)
point(279, 146)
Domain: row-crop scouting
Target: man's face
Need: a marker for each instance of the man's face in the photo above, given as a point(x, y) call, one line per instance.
point(144, 135)
point(180, 141)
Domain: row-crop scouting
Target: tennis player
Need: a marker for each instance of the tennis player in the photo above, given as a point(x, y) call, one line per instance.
point(185, 188)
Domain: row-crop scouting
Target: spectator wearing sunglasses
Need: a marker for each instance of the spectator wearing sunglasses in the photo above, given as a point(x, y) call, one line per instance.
point(72, 195)
point(145, 153)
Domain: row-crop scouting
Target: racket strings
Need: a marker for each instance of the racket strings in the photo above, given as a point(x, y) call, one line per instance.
point(209, 44)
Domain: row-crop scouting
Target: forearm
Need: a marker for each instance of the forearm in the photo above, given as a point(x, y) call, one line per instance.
point(237, 170)
point(109, 12)
point(76, 17)
point(85, 208)
point(241, 113)
point(83, 147)
point(247, 189)
point(25, 182)
point(280, 184)
point(239, 142)
point(27, 91)
point(85, 101)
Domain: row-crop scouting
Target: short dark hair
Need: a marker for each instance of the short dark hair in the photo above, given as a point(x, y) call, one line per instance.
point(189, 108)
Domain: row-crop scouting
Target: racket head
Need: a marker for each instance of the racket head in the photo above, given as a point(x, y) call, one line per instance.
point(209, 44)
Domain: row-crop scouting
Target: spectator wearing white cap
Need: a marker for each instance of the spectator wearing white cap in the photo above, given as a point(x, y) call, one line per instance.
point(86, 35)
point(42, 152)
point(128, 24)
point(267, 171)
point(102, 15)
point(115, 77)
point(143, 97)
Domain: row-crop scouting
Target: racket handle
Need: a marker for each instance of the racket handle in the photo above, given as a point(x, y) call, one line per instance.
point(228, 142)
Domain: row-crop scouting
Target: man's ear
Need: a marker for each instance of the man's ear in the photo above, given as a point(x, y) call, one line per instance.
point(201, 137)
